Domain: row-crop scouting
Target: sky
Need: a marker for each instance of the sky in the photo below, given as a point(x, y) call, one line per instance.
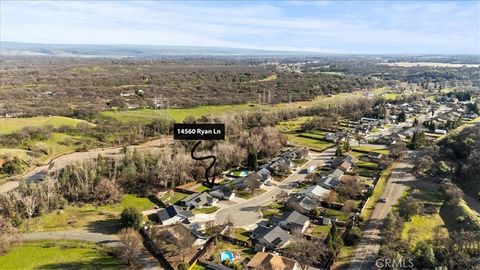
point(318, 26)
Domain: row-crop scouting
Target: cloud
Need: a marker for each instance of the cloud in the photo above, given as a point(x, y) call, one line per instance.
point(371, 27)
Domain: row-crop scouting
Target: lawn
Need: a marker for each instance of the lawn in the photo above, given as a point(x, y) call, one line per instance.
point(59, 254)
point(335, 213)
point(247, 194)
point(128, 200)
point(315, 144)
point(424, 227)
point(320, 231)
point(292, 125)
point(242, 234)
point(377, 192)
point(173, 198)
point(271, 210)
point(238, 250)
point(74, 218)
point(344, 258)
point(372, 148)
point(205, 210)
point(9, 125)
point(201, 188)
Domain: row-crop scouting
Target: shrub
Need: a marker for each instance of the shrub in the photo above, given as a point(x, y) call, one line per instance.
point(131, 217)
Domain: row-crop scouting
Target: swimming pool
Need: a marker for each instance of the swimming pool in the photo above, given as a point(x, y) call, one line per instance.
point(226, 255)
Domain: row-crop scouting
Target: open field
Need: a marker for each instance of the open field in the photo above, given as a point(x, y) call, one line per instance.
point(429, 64)
point(179, 114)
point(91, 218)
point(423, 228)
point(8, 125)
point(205, 210)
point(59, 254)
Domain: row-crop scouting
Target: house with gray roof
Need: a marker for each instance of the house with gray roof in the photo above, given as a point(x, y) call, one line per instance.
point(173, 214)
point(291, 221)
point(197, 200)
point(315, 192)
point(271, 238)
point(302, 203)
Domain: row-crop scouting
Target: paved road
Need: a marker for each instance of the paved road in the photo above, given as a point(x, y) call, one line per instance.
point(367, 249)
point(247, 212)
point(145, 259)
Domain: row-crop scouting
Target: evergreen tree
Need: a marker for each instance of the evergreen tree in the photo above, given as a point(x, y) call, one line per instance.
point(252, 161)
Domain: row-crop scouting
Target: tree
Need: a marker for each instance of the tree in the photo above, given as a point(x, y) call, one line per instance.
point(425, 256)
point(408, 207)
point(131, 243)
point(348, 207)
point(331, 197)
point(306, 252)
point(316, 212)
point(131, 217)
point(353, 236)
point(339, 151)
point(108, 192)
point(418, 140)
point(398, 150)
point(252, 182)
point(402, 117)
point(8, 235)
point(252, 162)
point(423, 164)
point(334, 241)
point(282, 196)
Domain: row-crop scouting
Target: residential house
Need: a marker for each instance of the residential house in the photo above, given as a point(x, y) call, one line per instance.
point(329, 182)
point(271, 238)
point(224, 192)
point(291, 221)
point(337, 173)
point(264, 175)
point(302, 203)
point(173, 214)
point(345, 166)
point(197, 200)
point(316, 192)
point(269, 261)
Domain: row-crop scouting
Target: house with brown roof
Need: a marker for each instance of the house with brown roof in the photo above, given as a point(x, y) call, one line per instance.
point(269, 261)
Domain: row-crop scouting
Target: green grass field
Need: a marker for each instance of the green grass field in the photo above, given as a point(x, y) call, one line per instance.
point(242, 234)
point(318, 145)
point(205, 210)
point(88, 217)
point(373, 148)
point(423, 226)
point(179, 114)
point(9, 125)
point(173, 198)
point(59, 254)
point(271, 210)
point(320, 231)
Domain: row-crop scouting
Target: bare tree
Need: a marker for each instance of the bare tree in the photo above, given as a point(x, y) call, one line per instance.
point(8, 235)
point(252, 182)
point(306, 252)
point(131, 244)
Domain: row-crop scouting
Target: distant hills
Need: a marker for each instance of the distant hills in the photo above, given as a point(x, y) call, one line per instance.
point(77, 50)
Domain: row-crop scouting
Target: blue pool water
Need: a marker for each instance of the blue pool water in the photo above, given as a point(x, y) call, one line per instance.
point(226, 255)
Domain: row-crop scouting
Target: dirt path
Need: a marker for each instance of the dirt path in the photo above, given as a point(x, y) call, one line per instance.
point(79, 157)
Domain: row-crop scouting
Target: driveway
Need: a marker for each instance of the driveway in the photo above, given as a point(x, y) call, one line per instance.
point(246, 213)
point(145, 259)
point(366, 250)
